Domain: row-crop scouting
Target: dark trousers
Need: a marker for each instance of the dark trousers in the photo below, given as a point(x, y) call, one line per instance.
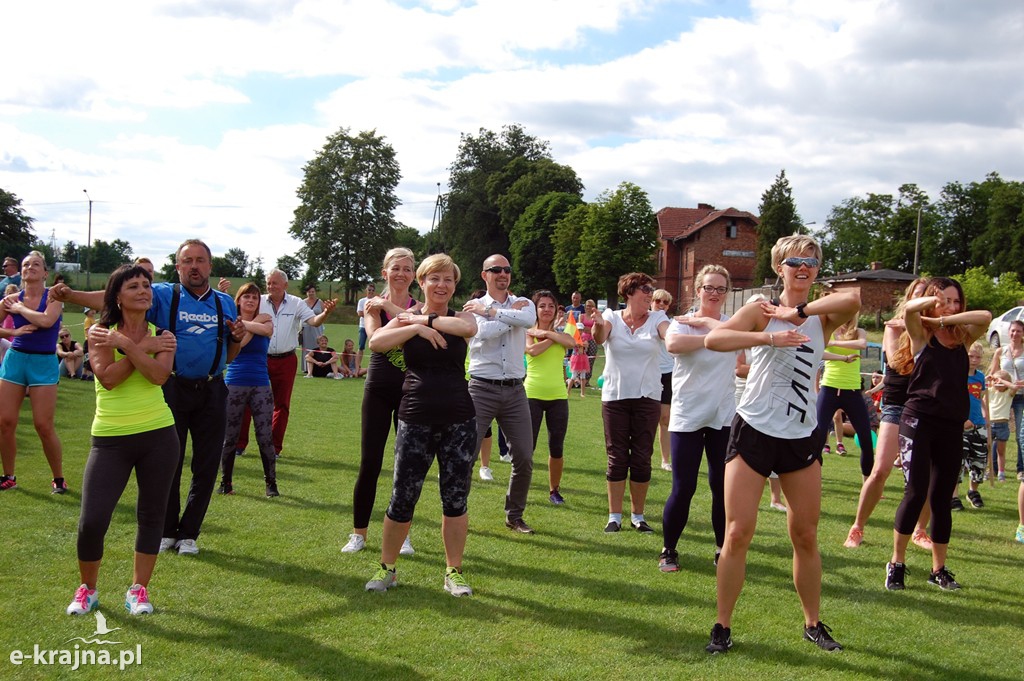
point(851, 402)
point(199, 409)
point(629, 427)
point(380, 412)
point(688, 450)
point(282, 382)
point(931, 448)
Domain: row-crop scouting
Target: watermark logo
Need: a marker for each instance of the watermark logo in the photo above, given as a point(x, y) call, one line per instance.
point(83, 654)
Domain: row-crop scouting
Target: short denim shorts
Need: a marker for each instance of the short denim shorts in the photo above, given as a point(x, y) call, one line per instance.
point(891, 413)
point(1001, 431)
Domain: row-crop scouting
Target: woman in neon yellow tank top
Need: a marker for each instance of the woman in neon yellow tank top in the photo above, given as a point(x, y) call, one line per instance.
point(841, 389)
point(545, 389)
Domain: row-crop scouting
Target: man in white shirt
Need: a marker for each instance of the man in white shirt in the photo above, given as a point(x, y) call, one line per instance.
point(371, 291)
point(496, 373)
point(289, 313)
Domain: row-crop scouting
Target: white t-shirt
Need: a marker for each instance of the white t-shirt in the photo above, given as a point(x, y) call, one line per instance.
point(361, 307)
point(703, 391)
point(631, 367)
point(780, 400)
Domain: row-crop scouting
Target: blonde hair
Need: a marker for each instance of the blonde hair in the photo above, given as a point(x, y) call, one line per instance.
point(712, 269)
point(908, 295)
point(439, 262)
point(661, 295)
point(37, 254)
point(396, 253)
point(796, 243)
point(847, 331)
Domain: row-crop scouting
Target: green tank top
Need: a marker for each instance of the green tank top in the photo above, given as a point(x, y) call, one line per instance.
point(842, 375)
point(545, 374)
point(135, 406)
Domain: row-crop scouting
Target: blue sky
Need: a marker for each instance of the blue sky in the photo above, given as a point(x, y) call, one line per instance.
point(195, 118)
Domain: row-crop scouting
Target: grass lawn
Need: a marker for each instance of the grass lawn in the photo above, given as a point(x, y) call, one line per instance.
point(270, 594)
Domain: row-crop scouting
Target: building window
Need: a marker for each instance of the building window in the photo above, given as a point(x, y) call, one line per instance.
point(731, 230)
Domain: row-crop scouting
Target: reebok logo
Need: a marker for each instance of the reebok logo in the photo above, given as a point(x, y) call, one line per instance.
point(196, 318)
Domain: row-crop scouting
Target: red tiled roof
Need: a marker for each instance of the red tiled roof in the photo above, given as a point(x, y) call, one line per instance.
point(679, 223)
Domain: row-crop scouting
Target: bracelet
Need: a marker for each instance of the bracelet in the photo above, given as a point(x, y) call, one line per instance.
point(942, 324)
point(771, 339)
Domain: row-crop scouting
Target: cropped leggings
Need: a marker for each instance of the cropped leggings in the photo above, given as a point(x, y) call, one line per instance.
point(931, 452)
point(416, 446)
point(688, 450)
point(154, 457)
point(259, 399)
point(556, 413)
point(851, 402)
point(380, 411)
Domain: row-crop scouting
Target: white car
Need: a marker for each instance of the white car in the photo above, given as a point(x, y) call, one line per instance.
point(998, 333)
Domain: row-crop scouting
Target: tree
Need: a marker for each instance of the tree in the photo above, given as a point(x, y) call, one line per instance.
point(106, 257)
point(895, 243)
point(69, 252)
point(346, 217)
point(778, 219)
point(16, 234)
point(239, 262)
point(960, 220)
point(290, 265)
point(1001, 246)
point(411, 238)
point(531, 244)
point(985, 293)
point(566, 240)
point(621, 236)
point(257, 275)
point(169, 271)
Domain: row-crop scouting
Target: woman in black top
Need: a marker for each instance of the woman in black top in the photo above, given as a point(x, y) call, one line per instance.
point(436, 419)
point(931, 427)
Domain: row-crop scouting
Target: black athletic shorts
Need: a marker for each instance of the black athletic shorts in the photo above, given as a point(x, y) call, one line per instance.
point(765, 453)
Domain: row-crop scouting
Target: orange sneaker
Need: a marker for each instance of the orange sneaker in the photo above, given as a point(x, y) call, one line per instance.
point(855, 537)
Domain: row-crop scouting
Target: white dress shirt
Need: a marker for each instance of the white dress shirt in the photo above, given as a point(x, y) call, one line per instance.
point(496, 351)
point(288, 320)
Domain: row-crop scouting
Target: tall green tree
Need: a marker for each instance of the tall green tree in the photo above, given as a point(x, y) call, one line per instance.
point(290, 265)
point(16, 233)
point(1001, 246)
point(621, 236)
point(778, 219)
point(566, 240)
point(850, 231)
point(346, 217)
point(531, 245)
point(895, 244)
point(107, 256)
point(960, 220)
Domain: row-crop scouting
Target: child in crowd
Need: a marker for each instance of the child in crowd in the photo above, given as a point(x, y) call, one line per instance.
point(1003, 391)
point(323, 362)
point(579, 364)
point(349, 366)
point(976, 437)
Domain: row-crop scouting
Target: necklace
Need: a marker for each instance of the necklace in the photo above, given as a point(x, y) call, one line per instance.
point(634, 325)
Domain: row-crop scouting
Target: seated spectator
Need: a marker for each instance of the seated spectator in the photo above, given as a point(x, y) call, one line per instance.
point(349, 361)
point(70, 354)
point(322, 362)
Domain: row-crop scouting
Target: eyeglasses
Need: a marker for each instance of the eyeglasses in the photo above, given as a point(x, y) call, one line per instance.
point(797, 262)
point(64, 335)
point(498, 269)
point(715, 289)
point(646, 288)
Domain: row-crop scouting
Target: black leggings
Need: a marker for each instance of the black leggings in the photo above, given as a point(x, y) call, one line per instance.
point(931, 448)
point(687, 451)
point(558, 422)
point(154, 456)
point(380, 412)
point(416, 446)
point(851, 402)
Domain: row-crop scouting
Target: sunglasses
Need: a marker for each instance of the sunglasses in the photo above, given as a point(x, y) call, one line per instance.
point(64, 336)
point(498, 269)
point(646, 288)
point(715, 289)
point(797, 262)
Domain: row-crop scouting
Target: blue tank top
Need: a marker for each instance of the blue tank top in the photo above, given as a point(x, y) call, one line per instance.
point(249, 368)
point(41, 341)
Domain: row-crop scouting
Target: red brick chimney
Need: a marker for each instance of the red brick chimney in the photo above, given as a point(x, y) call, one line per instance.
point(876, 265)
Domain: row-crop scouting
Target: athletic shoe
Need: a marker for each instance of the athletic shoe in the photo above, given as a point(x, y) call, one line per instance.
point(225, 488)
point(455, 583)
point(855, 537)
point(519, 525)
point(943, 579)
point(383, 579)
point(1020, 475)
point(955, 504)
point(642, 527)
point(840, 449)
point(721, 639)
point(239, 452)
point(272, 489)
point(85, 601)
point(486, 474)
point(58, 487)
point(666, 466)
point(168, 543)
point(407, 549)
point(612, 526)
point(8, 482)
point(975, 498)
point(778, 507)
point(556, 498)
point(894, 574)
point(1001, 477)
point(718, 554)
point(188, 547)
point(668, 561)
point(136, 601)
point(826, 450)
point(506, 458)
point(820, 636)
point(1020, 534)
point(355, 544)
point(922, 539)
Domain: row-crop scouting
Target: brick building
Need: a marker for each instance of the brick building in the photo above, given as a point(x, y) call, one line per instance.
point(693, 237)
point(880, 288)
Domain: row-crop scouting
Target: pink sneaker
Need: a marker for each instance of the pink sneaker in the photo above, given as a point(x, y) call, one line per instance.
point(85, 601)
point(136, 601)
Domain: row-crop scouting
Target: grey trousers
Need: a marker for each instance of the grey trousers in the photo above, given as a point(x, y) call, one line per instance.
point(509, 406)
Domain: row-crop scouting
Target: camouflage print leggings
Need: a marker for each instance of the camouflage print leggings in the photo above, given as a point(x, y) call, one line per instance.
point(416, 446)
point(975, 455)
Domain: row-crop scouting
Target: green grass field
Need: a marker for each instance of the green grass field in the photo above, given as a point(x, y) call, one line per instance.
point(270, 594)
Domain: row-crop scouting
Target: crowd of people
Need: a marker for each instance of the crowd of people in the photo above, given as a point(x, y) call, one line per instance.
point(755, 394)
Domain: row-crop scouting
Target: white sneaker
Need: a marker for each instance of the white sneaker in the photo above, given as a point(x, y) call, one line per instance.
point(486, 473)
point(407, 549)
point(188, 547)
point(666, 466)
point(355, 544)
point(778, 507)
point(136, 601)
point(507, 458)
point(338, 377)
point(168, 543)
point(84, 602)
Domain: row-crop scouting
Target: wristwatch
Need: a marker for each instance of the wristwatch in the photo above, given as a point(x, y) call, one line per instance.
point(800, 311)
point(430, 319)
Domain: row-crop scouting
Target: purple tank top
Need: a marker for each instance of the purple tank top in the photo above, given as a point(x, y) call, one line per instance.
point(41, 341)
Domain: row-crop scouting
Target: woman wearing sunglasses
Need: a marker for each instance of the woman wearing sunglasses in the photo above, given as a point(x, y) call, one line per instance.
point(631, 395)
point(776, 428)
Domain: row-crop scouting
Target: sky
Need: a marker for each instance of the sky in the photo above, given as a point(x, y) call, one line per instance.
point(195, 118)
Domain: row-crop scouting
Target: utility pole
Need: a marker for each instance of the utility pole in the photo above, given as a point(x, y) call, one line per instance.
point(88, 252)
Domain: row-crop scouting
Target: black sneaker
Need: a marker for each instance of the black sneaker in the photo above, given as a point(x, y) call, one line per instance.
point(943, 579)
point(894, 574)
point(642, 526)
point(820, 636)
point(225, 488)
point(668, 561)
point(975, 498)
point(272, 488)
point(58, 486)
point(718, 554)
point(955, 504)
point(721, 639)
point(612, 526)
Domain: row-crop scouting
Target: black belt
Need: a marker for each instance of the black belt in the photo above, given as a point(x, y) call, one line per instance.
point(196, 383)
point(282, 355)
point(504, 382)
